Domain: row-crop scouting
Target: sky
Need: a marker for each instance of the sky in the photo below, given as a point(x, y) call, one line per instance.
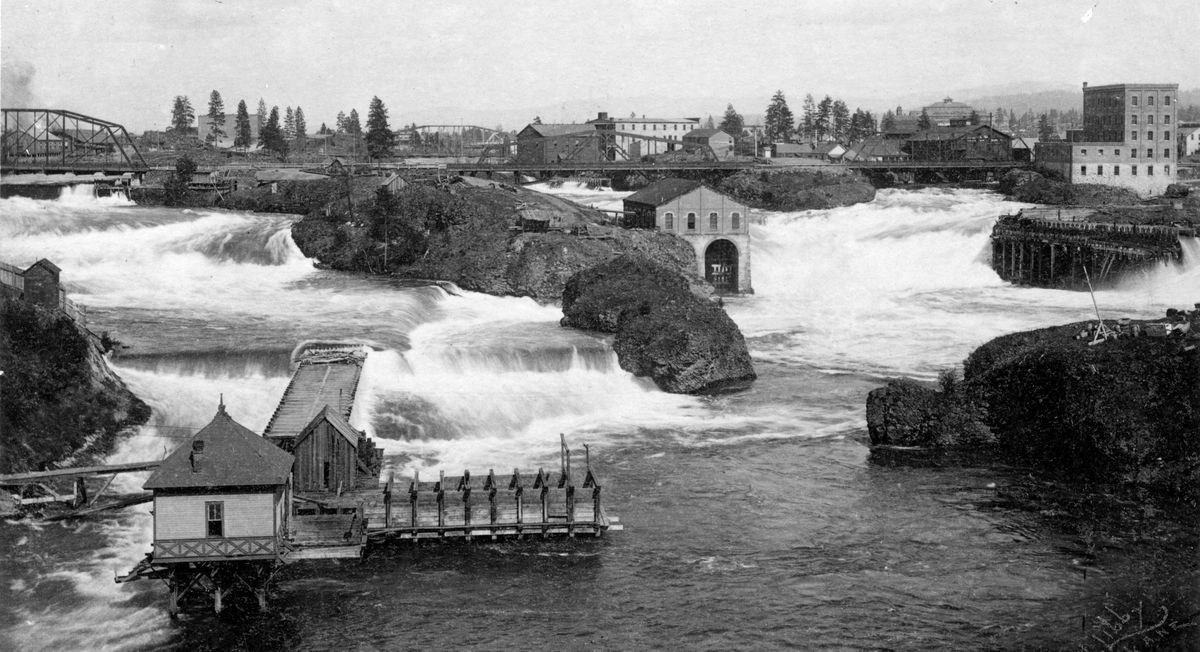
point(454, 61)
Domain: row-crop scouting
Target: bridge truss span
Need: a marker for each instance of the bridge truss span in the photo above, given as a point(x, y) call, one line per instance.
point(57, 140)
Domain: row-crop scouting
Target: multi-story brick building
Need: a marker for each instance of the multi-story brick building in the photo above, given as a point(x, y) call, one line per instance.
point(1128, 139)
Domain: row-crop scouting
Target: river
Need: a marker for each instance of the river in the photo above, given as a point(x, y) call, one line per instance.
point(753, 520)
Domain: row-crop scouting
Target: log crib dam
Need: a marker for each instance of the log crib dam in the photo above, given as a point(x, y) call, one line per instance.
point(1065, 247)
point(231, 508)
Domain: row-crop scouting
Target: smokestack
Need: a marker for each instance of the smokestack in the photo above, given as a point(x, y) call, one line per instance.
point(1085, 84)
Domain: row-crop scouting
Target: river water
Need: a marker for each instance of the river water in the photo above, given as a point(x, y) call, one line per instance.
point(753, 520)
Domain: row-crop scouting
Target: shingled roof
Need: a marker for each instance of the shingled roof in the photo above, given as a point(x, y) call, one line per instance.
point(661, 192)
point(223, 454)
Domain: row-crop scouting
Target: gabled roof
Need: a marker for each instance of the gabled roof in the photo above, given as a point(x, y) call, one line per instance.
point(705, 133)
point(339, 424)
point(952, 133)
point(645, 120)
point(231, 456)
point(882, 147)
point(45, 262)
point(661, 192)
point(547, 130)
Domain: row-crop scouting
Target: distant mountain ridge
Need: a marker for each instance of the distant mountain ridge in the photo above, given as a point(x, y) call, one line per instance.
point(1044, 100)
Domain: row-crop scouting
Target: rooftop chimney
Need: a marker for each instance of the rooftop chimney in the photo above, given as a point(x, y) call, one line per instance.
point(197, 455)
point(1085, 84)
point(603, 115)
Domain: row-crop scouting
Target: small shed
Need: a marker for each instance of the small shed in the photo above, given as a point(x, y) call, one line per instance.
point(223, 495)
point(42, 286)
point(327, 453)
point(971, 143)
point(720, 142)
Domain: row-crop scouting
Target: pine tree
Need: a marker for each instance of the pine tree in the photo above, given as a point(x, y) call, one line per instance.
point(889, 121)
point(823, 123)
point(808, 124)
point(271, 135)
point(300, 125)
point(380, 139)
point(973, 119)
point(779, 120)
point(241, 127)
point(182, 115)
point(262, 114)
point(340, 124)
point(1046, 130)
point(709, 123)
point(289, 124)
point(216, 116)
point(841, 120)
point(353, 126)
point(923, 122)
point(732, 122)
point(323, 130)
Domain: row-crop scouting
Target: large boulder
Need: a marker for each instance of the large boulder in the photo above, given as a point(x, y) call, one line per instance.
point(664, 331)
point(797, 190)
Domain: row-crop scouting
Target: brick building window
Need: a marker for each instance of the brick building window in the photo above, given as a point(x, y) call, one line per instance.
point(1149, 135)
point(1166, 135)
point(1083, 152)
point(1149, 153)
point(1132, 152)
point(1167, 152)
point(1150, 119)
point(1166, 100)
point(1099, 169)
point(1150, 100)
point(1166, 169)
point(1135, 100)
point(1116, 152)
point(1150, 170)
point(1166, 119)
point(1133, 135)
point(691, 223)
point(1133, 118)
point(214, 518)
point(735, 220)
point(1082, 170)
point(714, 221)
point(1133, 170)
point(669, 221)
point(1116, 170)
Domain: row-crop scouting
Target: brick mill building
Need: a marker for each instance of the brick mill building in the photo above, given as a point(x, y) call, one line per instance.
point(714, 224)
point(1128, 139)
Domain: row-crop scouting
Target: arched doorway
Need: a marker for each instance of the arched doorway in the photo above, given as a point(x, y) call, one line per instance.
point(721, 265)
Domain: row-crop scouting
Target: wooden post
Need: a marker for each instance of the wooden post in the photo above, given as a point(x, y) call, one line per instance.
point(412, 498)
point(81, 497)
point(1052, 249)
point(441, 501)
point(570, 510)
point(545, 508)
point(596, 507)
point(466, 497)
point(387, 501)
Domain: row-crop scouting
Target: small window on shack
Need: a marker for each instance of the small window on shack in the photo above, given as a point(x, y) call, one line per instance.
point(735, 220)
point(669, 221)
point(214, 516)
point(691, 223)
point(714, 221)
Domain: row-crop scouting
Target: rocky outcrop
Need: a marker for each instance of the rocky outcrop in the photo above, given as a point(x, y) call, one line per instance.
point(1036, 188)
point(470, 235)
point(791, 190)
point(1126, 410)
point(909, 413)
point(664, 331)
point(61, 401)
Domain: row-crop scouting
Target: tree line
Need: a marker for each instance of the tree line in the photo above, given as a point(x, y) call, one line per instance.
point(829, 119)
point(275, 134)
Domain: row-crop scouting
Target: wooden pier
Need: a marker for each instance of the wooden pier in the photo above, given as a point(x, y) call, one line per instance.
point(70, 491)
point(233, 507)
point(1050, 247)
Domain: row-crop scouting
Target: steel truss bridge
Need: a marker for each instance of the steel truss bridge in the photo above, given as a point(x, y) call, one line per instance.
point(947, 167)
point(55, 141)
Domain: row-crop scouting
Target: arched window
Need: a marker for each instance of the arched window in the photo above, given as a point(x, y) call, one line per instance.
point(670, 222)
point(691, 225)
point(735, 220)
point(714, 221)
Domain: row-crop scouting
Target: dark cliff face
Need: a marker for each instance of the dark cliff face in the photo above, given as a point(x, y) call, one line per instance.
point(1125, 411)
point(685, 343)
point(59, 396)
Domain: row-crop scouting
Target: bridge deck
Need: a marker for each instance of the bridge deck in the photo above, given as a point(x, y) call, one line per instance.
point(42, 476)
point(323, 378)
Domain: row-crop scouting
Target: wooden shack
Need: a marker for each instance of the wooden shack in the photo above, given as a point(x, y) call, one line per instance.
point(327, 454)
point(971, 143)
point(223, 495)
point(42, 286)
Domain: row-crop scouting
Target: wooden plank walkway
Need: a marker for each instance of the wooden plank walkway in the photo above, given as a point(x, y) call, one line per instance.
point(323, 377)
